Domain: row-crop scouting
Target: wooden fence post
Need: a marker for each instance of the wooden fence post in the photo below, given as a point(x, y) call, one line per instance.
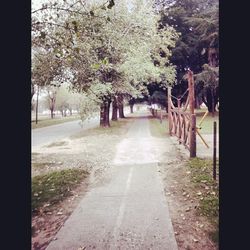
point(179, 118)
point(169, 112)
point(192, 141)
point(193, 136)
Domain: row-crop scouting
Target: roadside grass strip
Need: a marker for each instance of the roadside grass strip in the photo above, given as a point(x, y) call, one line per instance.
point(48, 122)
point(48, 189)
point(207, 191)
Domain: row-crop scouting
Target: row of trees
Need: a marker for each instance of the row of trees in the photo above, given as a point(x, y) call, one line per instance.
point(197, 47)
point(105, 50)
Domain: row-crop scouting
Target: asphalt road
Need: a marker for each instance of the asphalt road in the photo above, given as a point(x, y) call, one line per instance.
point(53, 133)
point(41, 136)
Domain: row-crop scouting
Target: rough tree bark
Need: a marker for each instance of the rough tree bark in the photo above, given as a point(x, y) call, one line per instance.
point(114, 110)
point(52, 107)
point(120, 106)
point(32, 93)
point(51, 113)
point(52, 102)
point(104, 114)
point(107, 113)
point(131, 104)
point(131, 108)
point(210, 98)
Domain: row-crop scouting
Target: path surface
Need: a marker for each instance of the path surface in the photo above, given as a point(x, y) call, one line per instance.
point(129, 210)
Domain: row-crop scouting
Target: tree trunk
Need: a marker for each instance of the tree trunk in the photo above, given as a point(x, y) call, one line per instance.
point(120, 106)
point(70, 111)
point(32, 93)
point(102, 117)
point(52, 106)
point(213, 106)
point(131, 108)
point(114, 110)
point(51, 113)
point(197, 103)
point(104, 114)
point(37, 105)
point(107, 114)
point(207, 99)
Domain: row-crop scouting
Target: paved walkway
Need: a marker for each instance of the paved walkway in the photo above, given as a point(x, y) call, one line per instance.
point(129, 211)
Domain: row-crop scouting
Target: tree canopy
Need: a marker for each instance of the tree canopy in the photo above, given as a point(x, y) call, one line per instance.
point(198, 25)
point(115, 49)
point(102, 48)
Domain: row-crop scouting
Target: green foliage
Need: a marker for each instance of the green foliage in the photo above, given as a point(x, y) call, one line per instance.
point(198, 23)
point(159, 97)
point(209, 76)
point(104, 49)
point(198, 44)
point(66, 99)
point(88, 107)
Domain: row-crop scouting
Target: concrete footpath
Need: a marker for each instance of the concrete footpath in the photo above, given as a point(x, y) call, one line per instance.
point(129, 211)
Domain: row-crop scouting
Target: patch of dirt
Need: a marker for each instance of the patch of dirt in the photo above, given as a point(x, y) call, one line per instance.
point(47, 222)
point(93, 153)
point(191, 230)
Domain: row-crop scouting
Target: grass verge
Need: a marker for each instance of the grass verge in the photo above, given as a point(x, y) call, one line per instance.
point(207, 124)
point(116, 127)
point(207, 192)
point(49, 189)
point(48, 122)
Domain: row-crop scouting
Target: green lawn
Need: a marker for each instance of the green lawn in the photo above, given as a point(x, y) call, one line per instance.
point(208, 122)
point(48, 189)
point(45, 121)
point(207, 190)
point(116, 127)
